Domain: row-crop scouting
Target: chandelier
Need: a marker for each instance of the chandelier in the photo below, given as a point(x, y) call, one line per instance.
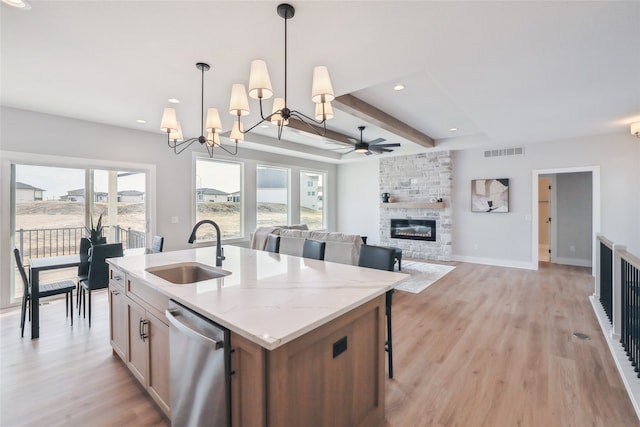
point(212, 129)
point(260, 89)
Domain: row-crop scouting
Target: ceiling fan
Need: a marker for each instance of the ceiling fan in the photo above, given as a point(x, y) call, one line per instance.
point(371, 147)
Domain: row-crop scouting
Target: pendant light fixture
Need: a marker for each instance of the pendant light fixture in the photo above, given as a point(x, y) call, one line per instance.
point(260, 89)
point(212, 128)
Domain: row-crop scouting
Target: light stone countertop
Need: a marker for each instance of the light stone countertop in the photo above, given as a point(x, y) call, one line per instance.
point(268, 298)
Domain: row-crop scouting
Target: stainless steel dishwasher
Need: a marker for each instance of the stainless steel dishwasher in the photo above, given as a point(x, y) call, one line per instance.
point(199, 363)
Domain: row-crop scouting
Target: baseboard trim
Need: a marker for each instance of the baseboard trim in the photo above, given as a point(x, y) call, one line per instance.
point(497, 262)
point(626, 371)
point(572, 261)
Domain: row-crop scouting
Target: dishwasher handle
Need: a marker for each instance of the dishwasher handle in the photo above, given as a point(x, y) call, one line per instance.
point(183, 327)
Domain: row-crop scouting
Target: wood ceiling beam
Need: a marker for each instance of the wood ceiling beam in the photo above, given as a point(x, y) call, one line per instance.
point(319, 130)
point(358, 108)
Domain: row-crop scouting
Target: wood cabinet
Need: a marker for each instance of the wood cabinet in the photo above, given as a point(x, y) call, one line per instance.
point(117, 313)
point(140, 335)
point(333, 375)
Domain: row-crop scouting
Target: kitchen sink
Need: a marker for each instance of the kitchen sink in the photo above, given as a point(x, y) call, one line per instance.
point(187, 272)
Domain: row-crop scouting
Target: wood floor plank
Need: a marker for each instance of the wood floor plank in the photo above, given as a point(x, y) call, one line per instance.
point(484, 346)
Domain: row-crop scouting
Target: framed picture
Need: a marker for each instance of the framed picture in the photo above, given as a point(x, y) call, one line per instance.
point(490, 195)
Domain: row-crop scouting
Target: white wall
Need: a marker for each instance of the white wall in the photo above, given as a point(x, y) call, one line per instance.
point(41, 134)
point(359, 199)
point(506, 239)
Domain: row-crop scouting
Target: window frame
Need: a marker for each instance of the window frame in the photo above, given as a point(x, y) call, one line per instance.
point(7, 158)
point(194, 197)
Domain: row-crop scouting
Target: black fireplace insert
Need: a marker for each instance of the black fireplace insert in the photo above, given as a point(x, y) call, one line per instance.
point(414, 229)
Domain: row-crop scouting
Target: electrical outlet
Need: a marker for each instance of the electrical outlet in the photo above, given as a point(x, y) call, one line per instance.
point(475, 246)
point(572, 248)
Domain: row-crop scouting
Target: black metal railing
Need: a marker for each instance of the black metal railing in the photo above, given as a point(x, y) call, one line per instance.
point(46, 242)
point(130, 238)
point(630, 312)
point(606, 279)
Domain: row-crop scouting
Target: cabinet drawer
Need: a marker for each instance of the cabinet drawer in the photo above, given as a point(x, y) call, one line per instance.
point(148, 297)
point(117, 278)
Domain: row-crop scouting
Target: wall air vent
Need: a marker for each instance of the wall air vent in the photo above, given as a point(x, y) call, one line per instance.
point(516, 151)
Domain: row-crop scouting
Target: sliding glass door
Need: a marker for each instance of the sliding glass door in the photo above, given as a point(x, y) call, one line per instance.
point(52, 206)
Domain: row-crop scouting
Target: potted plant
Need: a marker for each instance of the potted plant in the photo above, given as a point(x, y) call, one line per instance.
point(95, 233)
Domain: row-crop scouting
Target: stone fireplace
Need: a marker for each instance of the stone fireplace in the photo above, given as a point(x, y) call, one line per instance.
point(415, 183)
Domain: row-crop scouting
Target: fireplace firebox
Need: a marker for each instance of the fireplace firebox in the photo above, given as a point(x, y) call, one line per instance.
point(414, 229)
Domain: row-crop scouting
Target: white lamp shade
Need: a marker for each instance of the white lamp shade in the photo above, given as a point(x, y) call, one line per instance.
point(259, 81)
point(213, 120)
point(236, 132)
point(213, 139)
point(238, 104)
point(324, 111)
point(635, 129)
point(276, 119)
point(322, 90)
point(169, 121)
point(176, 134)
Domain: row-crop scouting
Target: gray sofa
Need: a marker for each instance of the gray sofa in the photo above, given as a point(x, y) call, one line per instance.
point(340, 247)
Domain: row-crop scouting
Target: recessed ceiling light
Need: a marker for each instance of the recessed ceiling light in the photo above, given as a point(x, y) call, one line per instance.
point(141, 121)
point(398, 87)
point(174, 101)
point(453, 130)
point(18, 4)
point(264, 126)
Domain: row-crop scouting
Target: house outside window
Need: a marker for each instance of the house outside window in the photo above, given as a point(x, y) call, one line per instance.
point(218, 196)
point(272, 196)
point(311, 206)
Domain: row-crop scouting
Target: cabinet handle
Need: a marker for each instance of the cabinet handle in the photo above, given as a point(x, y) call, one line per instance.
point(143, 334)
point(117, 278)
point(115, 292)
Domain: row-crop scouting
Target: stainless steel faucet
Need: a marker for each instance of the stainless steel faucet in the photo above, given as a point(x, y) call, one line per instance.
point(192, 238)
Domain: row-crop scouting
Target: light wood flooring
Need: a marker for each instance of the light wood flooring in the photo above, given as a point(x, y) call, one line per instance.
point(484, 346)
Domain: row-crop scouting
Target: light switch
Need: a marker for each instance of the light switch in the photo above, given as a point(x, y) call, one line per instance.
point(174, 220)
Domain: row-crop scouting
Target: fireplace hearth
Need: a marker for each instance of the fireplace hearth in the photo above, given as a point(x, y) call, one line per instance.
point(413, 229)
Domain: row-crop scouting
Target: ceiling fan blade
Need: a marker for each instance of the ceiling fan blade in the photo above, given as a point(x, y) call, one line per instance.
point(395, 144)
point(377, 149)
point(368, 153)
point(376, 141)
point(350, 151)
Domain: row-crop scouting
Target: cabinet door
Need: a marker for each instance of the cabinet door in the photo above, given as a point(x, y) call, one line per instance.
point(137, 354)
point(118, 321)
point(158, 342)
point(248, 388)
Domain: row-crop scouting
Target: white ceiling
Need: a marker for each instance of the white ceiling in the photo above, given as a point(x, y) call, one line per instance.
point(505, 73)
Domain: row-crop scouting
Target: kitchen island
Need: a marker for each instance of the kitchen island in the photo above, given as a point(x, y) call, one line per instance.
point(307, 336)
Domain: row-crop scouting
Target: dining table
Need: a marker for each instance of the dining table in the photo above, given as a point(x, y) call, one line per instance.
point(37, 265)
point(54, 263)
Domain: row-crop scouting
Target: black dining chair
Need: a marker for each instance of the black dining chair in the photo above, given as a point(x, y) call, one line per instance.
point(157, 244)
point(45, 290)
point(313, 249)
point(273, 243)
point(381, 258)
point(98, 277)
point(83, 268)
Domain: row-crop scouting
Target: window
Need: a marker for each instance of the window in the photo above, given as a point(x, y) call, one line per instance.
point(311, 205)
point(52, 205)
point(272, 196)
point(218, 197)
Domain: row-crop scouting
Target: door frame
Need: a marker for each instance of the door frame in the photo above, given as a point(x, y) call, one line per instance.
point(595, 209)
